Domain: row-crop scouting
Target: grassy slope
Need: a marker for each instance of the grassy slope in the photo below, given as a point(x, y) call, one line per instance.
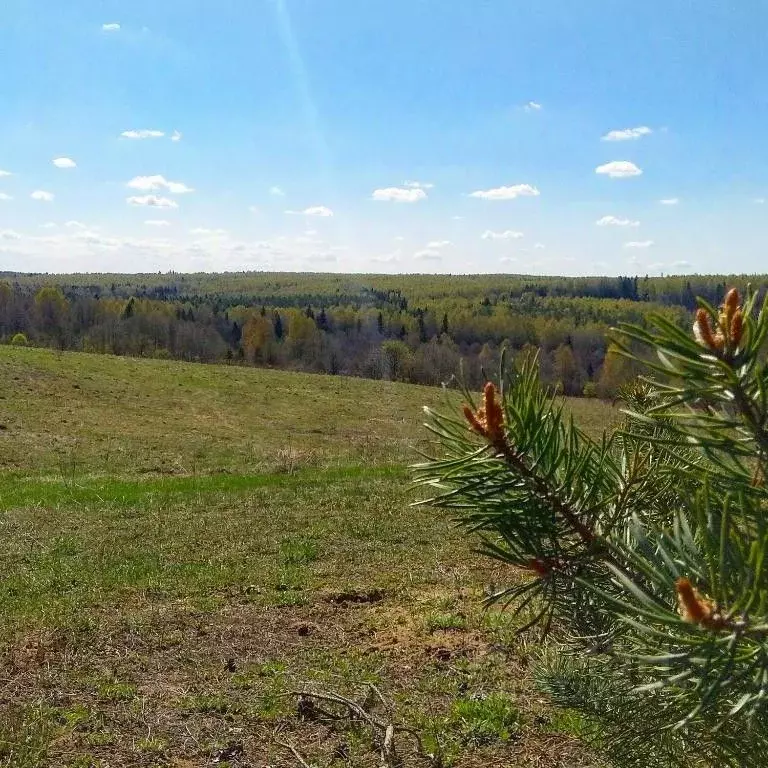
point(182, 545)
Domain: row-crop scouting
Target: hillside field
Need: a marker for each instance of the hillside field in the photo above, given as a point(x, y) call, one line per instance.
point(184, 546)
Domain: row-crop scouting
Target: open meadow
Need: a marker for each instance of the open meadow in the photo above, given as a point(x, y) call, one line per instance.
point(184, 547)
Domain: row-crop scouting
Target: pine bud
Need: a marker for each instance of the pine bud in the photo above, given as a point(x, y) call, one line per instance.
point(737, 327)
point(494, 415)
point(474, 423)
point(702, 330)
point(696, 609)
point(539, 566)
point(731, 302)
point(488, 421)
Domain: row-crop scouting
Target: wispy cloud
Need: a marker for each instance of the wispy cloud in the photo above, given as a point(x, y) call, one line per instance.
point(539, 246)
point(399, 194)
point(682, 264)
point(387, 258)
point(418, 184)
point(209, 232)
point(507, 234)
point(759, 200)
point(532, 106)
point(151, 201)
point(615, 221)
point(5, 173)
point(156, 183)
point(618, 169)
point(276, 192)
point(42, 195)
point(65, 162)
point(100, 241)
point(314, 210)
point(427, 254)
point(639, 244)
point(75, 225)
point(112, 27)
point(506, 193)
point(438, 244)
point(5, 196)
point(317, 210)
point(144, 133)
point(157, 223)
point(176, 136)
point(627, 134)
point(9, 234)
point(670, 201)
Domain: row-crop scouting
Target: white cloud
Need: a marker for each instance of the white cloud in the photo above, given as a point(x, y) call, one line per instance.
point(427, 255)
point(276, 192)
point(639, 244)
point(627, 134)
point(254, 209)
point(9, 234)
point(42, 195)
point(759, 200)
point(206, 231)
point(457, 218)
point(508, 259)
point(95, 239)
point(614, 221)
point(4, 196)
point(113, 27)
point(155, 183)
point(176, 136)
point(418, 184)
point(5, 173)
point(314, 210)
point(507, 234)
point(399, 194)
point(437, 244)
point(152, 201)
point(75, 225)
point(142, 134)
point(539, 246)
point(681, 264)
point(532, 106)
point(157, 223)
point(387, 258)
point(317, 210)
point(506, 193)
point(50, 225)
point(670, 201)
point(618, 169)
point(65, 162)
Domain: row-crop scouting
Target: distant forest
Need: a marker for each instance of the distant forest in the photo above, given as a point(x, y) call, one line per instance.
point(416, 328)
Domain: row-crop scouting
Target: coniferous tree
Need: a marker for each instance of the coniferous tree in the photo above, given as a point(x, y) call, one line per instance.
point(643, 557)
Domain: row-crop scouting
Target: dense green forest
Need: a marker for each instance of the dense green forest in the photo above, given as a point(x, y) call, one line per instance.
point(417, 328)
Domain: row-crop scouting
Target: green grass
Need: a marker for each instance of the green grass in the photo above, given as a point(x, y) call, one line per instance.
point(183, 546)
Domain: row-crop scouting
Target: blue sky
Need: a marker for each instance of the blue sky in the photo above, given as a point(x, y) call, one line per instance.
point(383, 136)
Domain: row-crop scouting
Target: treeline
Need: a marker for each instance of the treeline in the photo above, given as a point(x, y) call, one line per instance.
point(417, 328)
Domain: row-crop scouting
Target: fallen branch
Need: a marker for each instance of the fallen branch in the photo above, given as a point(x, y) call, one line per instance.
point(380, 726)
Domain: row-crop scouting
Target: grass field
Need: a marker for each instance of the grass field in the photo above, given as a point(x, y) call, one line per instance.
point(184, 547)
